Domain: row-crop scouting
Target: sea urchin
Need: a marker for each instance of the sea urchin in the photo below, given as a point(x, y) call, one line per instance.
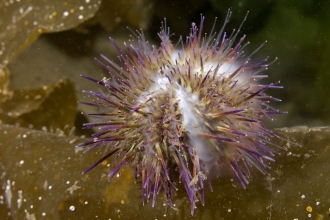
point(175, 114)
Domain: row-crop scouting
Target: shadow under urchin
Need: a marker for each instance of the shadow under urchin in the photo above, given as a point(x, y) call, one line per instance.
point(178, 113)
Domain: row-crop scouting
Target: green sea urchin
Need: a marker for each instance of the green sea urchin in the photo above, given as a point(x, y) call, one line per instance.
point(176, 115)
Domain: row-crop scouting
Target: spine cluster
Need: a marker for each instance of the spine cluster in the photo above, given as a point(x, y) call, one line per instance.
point(177, 114)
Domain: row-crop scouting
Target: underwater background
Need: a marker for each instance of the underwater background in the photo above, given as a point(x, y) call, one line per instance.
point(46, 46)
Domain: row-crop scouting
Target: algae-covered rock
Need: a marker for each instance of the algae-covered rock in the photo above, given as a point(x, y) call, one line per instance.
point(41, 178)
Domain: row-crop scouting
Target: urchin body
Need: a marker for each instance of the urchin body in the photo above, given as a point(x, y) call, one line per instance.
point(176, 116)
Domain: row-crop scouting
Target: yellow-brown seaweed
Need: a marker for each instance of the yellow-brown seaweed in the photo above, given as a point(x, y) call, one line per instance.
point(21, 22)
